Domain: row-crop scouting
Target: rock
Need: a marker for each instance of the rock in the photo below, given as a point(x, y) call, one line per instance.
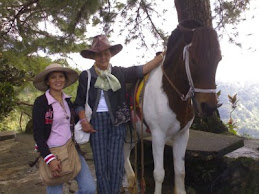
point(244, 152)
point(4, 135)
point(214, 173)
point(250, 150)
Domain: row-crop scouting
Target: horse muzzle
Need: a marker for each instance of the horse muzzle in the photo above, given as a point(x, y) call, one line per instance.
point(203, 109)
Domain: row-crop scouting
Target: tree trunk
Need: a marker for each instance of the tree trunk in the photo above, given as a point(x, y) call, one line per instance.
point(194, 9)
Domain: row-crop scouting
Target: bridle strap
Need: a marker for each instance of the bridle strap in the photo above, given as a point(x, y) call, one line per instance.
point(192, 89)
point(171, 83)
point(186, 58)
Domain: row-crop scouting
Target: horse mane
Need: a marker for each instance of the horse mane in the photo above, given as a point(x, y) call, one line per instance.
point(181, 36)
point(205, 45)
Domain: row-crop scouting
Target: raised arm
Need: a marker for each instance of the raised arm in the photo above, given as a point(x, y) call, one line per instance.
point(153, 63)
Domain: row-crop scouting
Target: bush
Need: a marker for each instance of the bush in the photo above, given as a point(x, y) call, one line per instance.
point(7, 99)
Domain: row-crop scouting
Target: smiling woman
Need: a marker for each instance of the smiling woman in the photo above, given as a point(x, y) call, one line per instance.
point(56, 81)
point(53, 126)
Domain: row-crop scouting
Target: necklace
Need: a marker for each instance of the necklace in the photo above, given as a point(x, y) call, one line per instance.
point(62, 105)
point(58, 97)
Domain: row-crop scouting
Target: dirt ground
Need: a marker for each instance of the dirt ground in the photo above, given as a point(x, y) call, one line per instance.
point(17, 177)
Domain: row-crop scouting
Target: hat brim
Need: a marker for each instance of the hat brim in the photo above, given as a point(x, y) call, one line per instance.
point(39, 80)
point(89, 53)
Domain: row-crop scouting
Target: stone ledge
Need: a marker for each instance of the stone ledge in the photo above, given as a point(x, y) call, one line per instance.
point(210, 143)
point(4, 135)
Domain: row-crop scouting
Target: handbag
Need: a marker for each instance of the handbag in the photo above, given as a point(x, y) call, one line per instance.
point(70, 165)
point(80, 136)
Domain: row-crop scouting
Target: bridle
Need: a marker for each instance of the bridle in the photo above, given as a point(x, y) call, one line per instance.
point(192, 90)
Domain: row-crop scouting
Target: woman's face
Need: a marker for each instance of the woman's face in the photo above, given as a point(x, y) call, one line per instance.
point(102, 59)
point(56, 81)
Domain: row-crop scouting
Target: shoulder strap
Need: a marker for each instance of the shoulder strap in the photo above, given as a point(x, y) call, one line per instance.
point(88, 85)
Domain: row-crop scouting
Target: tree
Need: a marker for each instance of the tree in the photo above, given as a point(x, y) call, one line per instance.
point(22, 24)
point(55, 26)
point(194, 9)
point(9, 77)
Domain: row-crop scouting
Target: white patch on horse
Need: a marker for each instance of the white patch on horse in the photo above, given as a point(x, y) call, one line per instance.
point(164, 126)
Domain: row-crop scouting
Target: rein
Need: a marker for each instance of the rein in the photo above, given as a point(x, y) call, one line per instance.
point(192, 89)
point(142, 182)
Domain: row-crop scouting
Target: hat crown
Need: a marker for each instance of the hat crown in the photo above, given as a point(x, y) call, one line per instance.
point(53, 65)
point(100, 43)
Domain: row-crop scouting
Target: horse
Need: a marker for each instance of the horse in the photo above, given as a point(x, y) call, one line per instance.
point(182, 87)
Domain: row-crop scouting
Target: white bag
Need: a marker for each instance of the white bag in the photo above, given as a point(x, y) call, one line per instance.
point(82, 137)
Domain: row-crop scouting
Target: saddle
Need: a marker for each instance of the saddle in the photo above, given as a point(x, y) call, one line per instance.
point(136, 99)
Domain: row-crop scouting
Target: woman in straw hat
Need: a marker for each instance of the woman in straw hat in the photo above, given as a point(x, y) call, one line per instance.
point(53, 117)
point(107, 98)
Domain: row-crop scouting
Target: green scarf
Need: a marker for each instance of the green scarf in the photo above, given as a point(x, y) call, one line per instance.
point(106, 80)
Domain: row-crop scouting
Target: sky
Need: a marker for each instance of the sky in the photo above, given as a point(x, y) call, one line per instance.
point(237, 64)
point(241, 64)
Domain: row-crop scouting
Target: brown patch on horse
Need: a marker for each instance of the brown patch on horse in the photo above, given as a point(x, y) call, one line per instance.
point(204, 56)
point(205, 52)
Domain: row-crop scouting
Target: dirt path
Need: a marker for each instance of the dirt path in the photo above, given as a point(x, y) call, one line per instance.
point(16, 177)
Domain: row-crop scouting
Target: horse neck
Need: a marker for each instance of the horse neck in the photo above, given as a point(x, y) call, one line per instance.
point(183, 109)
point(156, 73)
point(177, 73)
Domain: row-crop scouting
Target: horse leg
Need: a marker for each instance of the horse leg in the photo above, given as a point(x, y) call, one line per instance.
point(179, 149)
point(130, 175)
point(158, 144)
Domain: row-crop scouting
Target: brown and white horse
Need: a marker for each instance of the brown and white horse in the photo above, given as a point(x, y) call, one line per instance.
point(180, 88)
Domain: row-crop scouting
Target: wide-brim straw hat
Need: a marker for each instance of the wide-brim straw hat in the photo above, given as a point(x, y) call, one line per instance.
point(39, 81)
point(99, 44)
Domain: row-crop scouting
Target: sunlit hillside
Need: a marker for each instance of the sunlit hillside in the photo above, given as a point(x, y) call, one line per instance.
point(246, 114)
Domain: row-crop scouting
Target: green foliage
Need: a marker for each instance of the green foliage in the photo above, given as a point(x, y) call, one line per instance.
point(10, 77)
point(71, 90)
point(232, 128)
point(10, 74)
point(17, 93)
point(25, 23)
point(230, 13)
point(7, 99)
point(231, 125)
point(209, 124)
point(231, 10)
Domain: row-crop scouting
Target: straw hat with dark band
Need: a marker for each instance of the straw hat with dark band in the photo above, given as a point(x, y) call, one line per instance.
point(39, 81)
point(100, 43)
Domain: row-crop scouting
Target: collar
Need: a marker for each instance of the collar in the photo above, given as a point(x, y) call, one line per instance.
point(51, 100)
point(93, 72)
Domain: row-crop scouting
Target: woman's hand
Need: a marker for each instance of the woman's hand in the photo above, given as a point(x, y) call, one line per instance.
point(153, 63)
point(87, 127)
point(55, 167)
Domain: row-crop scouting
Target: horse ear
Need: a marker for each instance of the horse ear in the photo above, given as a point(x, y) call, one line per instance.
point(184, 29)
point(191, 23)
point(158, 53)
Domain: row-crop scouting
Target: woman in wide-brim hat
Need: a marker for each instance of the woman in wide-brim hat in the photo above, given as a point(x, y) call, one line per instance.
point(40, 83)
point(53, 121)
point(107, 98)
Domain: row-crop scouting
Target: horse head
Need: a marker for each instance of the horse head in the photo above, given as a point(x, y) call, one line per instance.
point(204, 56)
point(193, 54)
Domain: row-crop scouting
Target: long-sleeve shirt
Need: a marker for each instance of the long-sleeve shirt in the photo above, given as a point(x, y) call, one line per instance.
point(116, 101)
point(42, 116)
